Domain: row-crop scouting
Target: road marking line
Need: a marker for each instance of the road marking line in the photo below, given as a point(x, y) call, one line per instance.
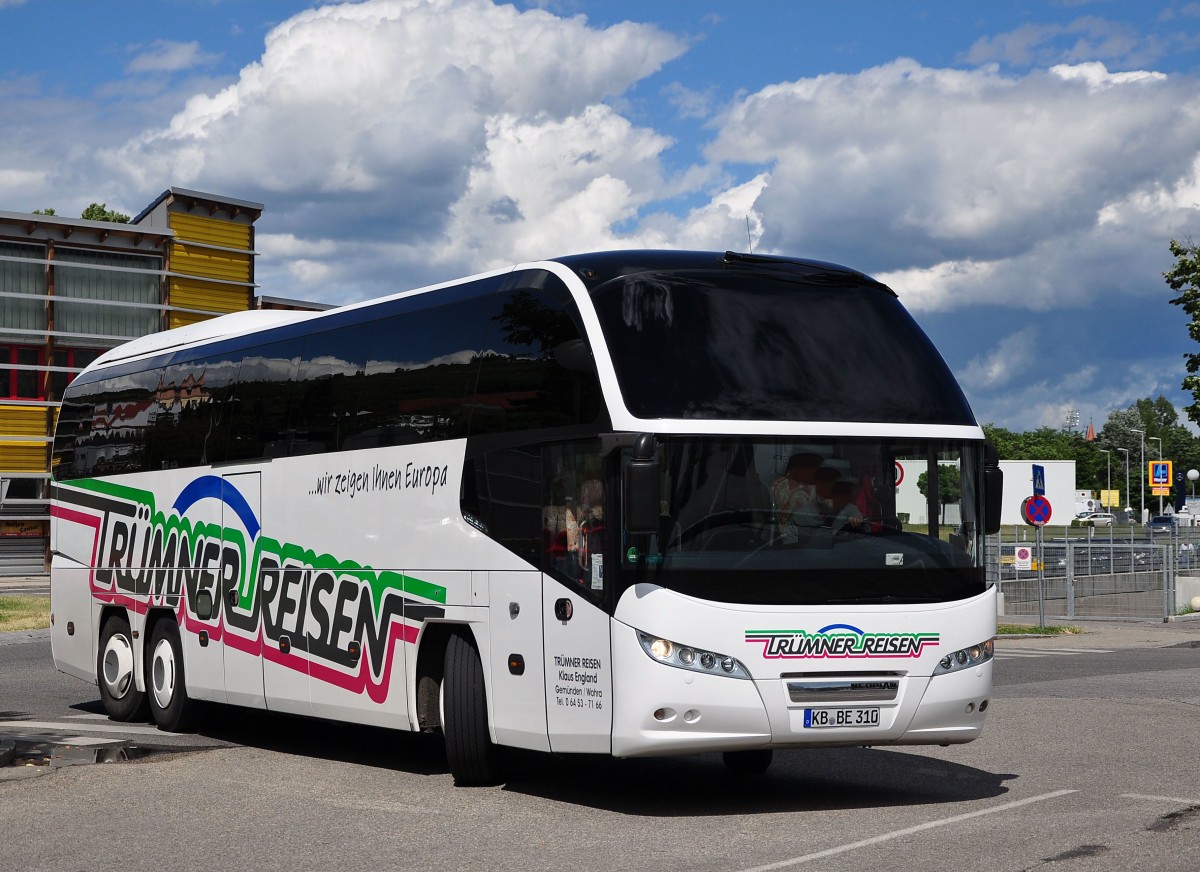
point(896, 834)
point(1172, 799)
point(88, 741)
point(62, 726)
point(1081, 650)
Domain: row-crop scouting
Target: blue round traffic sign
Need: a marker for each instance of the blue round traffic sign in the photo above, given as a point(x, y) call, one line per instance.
point(1036, 510)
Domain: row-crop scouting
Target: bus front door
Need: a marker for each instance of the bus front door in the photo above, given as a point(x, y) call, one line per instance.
point(578, 670)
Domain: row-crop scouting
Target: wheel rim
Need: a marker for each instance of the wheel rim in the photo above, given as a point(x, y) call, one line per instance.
point(162, 673)
point(118, 665)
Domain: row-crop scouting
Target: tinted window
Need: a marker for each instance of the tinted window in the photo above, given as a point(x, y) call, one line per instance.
point(326, 408)
point(537, 372)
point(766, 346)
point(420, 375)
point(103, 427)
point(258, 409)
point(184, 412)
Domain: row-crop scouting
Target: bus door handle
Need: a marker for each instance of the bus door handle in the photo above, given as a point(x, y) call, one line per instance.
point(563, 609)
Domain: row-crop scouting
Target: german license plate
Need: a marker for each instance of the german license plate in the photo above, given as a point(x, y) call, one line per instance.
point(841, 717)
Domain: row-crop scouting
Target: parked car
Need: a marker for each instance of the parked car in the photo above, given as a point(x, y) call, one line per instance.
point(1096, 519)
point(1161, 524)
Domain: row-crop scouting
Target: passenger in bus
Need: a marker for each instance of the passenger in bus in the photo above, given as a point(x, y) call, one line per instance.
point(846, 515)
point(797, 504)
point(591, 534)
point(823, 480)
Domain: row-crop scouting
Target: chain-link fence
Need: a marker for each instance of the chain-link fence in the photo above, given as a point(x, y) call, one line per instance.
point(1096, 573)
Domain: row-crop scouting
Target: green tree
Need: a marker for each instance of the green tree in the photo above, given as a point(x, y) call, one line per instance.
point(949, 486)
point(101, 212)
point(44, 212)
point(1184, 279)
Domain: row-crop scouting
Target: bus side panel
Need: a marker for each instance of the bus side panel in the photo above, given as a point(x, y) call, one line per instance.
point(517, 690)
point(71, 640)
point(372, 687)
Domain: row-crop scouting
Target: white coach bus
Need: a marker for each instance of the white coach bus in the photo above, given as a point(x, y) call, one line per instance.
point(630, 503)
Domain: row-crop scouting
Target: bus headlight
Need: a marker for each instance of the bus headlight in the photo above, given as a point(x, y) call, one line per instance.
point(965, 658)
point(691, 658)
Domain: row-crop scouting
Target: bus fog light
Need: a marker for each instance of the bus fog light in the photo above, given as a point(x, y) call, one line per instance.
point(983, 706)
point(970, 707)
point(691, 716)
point(664, 714)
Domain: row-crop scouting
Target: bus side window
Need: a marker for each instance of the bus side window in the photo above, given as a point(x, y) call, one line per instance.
point(500, 498)
point(420, 376)
point(257, 411)
point(119, 412)
point(575, 529)
point(325, 408)
point(541, 374)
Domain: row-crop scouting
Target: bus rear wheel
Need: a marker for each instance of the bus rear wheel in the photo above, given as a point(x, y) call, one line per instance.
point(474, 759)
point(115, 672)
point(170, 706)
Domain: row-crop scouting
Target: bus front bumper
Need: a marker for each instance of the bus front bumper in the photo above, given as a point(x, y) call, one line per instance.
point(661, 710)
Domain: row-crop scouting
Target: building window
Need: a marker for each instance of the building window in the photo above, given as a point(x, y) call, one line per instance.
point(19, 383)
point(74, 358)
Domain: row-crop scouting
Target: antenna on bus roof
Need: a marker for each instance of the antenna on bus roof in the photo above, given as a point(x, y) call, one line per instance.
point(749, 241)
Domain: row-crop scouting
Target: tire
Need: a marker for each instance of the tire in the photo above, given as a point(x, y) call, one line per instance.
point(754, 762)
point(474, 759)
point(115, 672)
point(170, 706)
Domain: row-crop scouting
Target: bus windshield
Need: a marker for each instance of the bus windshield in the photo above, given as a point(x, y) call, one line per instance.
point(824, 521)
point(772, 345)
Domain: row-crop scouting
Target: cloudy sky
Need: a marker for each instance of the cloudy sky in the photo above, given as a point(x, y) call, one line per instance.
point(1014, 170)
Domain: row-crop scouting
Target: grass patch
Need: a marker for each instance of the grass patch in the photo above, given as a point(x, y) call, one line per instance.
point(24, 613)
point(1053, 630)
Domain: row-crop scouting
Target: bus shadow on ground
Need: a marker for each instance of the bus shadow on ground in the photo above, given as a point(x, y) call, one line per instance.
point(800, 780)
point(693, 785)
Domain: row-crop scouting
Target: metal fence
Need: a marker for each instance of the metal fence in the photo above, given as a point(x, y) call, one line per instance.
point(1094, 573)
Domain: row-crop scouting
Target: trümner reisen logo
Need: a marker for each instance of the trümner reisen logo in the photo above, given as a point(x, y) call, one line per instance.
point(839, 641)
point(262, 589)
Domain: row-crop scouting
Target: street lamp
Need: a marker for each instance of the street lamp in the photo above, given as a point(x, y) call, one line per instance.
point(1107, 496)
point(1159, 441)
point(1128, 508)
point(1141, 474)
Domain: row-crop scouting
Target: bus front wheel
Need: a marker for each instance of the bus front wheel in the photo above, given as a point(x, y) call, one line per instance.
point(473, 757)
point(170, 706)
point(115, 672)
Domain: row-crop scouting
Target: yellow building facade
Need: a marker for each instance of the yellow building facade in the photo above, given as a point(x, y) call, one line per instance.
point(69, 290)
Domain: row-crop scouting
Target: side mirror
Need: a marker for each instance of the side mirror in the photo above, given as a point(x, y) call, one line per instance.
point(993, 489)
point(641, 487)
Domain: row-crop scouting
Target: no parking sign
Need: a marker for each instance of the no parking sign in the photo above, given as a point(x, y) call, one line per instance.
point(1036, 510)
point(1023, 557)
